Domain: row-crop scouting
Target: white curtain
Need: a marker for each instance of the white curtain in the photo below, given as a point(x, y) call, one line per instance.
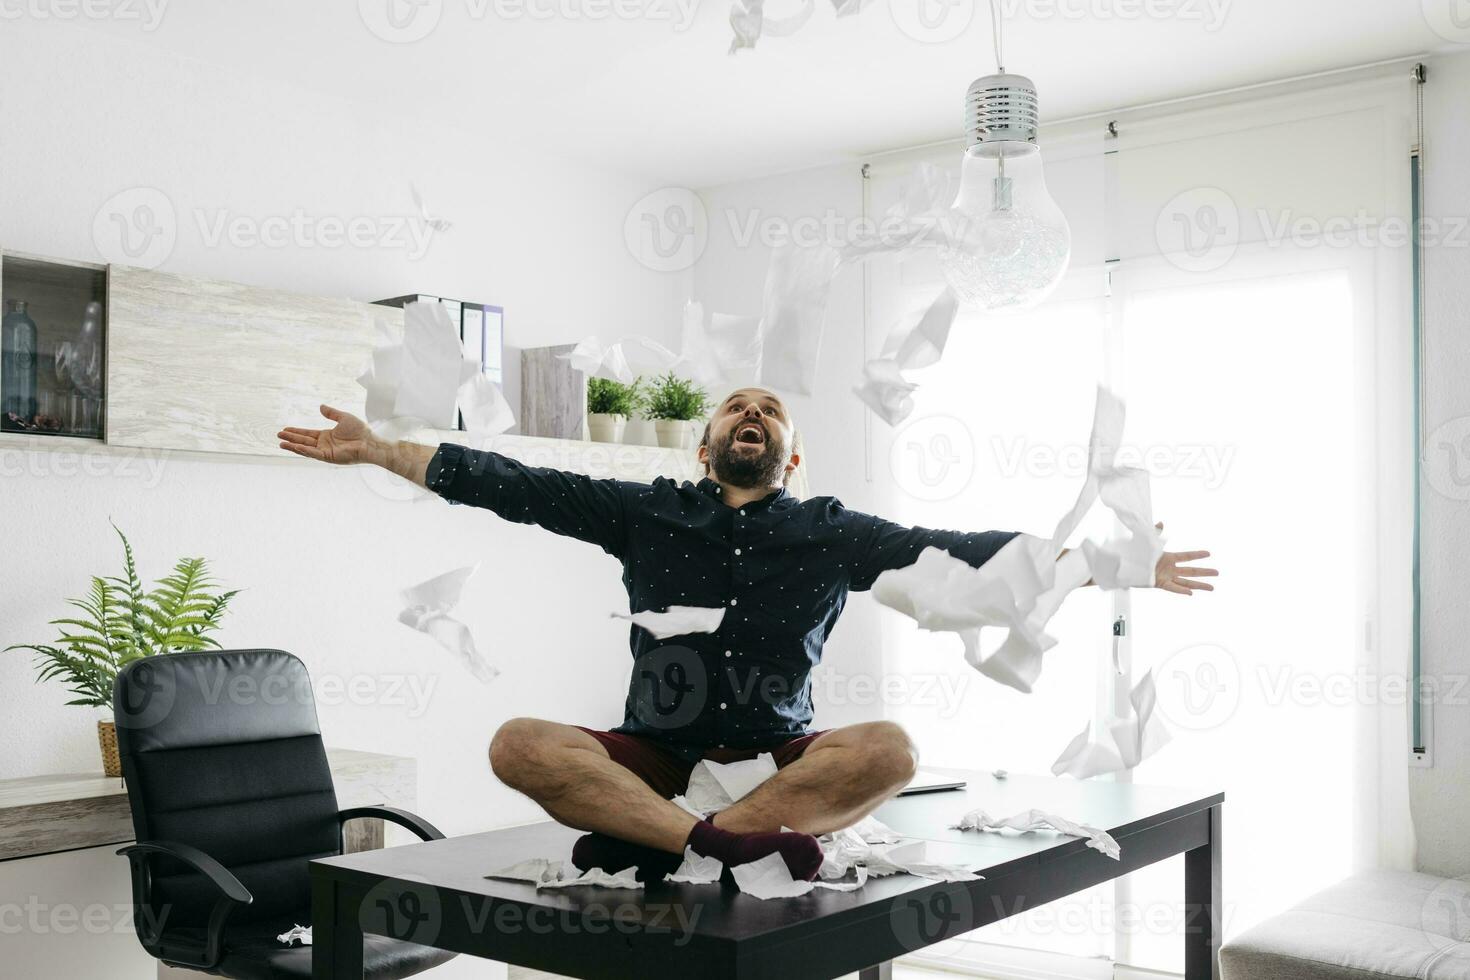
point(1242, 275)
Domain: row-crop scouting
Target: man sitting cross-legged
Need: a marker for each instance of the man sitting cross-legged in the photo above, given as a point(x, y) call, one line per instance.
point(779, 567)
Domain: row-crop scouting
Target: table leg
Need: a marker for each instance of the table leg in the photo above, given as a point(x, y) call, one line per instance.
point(336, 932)
point(1202, 905)
point(880, 971)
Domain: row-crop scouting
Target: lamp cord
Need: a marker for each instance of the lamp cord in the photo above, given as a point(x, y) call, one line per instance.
point(995, 33)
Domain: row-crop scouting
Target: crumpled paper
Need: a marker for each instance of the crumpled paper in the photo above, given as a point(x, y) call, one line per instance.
point(427, 607)
point(1029, 820)
point(296, 934)
point(913, 342)
point(714, 786)
point(545, 873)
point(414, 379)
point(1128, 741)
point(623, 360)
point(697, 870)
point(676, 620)
point(769, 878)
point(720, 349)
point(1023, 585)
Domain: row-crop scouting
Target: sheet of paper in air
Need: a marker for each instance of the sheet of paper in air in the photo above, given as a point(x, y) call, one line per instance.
point(1127, 742)
point(1023, 585)
point(713, 786)
point(434, 222)
point(486, 412)
point(676, 620)
point(769, 878)
point(623, 360)
point(426, 608)
point(414, 378)
point(697, 870)
point(916, 341)
point(296, 934)
point(719, 349)
point(1031, 820)
point(798, 285)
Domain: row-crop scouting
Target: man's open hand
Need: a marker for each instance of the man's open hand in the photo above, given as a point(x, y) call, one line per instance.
point(349, 441)
point(1174, 573)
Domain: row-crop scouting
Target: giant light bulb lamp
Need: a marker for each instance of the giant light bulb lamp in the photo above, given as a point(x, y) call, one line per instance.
point(1012, 243)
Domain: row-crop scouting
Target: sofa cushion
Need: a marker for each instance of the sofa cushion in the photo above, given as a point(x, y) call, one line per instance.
point(1377, 924)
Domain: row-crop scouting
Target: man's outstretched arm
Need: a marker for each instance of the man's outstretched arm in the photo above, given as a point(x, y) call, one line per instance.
point(351, 441)
point(572, 504)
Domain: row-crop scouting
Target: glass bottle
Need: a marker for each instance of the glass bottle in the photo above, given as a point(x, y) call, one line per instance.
point(18, 362)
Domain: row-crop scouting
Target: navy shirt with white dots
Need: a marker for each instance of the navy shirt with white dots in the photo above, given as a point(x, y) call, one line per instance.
point(780, 567)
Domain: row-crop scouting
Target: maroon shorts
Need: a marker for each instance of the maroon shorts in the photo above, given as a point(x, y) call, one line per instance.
point(668, 772)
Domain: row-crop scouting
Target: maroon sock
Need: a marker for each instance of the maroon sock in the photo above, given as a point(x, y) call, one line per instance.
point(801, 852)
point(613, 855)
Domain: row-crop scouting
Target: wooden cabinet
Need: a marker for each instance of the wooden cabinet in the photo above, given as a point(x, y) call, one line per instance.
point(212, 366)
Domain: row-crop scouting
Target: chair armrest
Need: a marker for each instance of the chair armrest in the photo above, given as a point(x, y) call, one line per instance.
point(232, 892)
point(415, 823)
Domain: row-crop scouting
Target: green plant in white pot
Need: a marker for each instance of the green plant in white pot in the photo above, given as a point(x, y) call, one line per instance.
point(674, 403)
point(121, 621)
point(609, 405)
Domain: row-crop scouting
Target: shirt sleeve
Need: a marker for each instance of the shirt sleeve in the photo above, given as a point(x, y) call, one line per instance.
point(572, 504)
point(884, 545)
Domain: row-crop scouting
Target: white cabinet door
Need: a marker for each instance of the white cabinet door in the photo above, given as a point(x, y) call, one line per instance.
point(210, 366)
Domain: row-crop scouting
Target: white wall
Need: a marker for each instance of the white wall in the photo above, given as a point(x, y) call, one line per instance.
point(1441, 795)
point(320, 552)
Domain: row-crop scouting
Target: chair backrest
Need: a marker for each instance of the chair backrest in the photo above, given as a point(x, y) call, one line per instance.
point(222, 751)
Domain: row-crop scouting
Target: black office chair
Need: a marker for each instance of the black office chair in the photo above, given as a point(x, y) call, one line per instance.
point(231, 797)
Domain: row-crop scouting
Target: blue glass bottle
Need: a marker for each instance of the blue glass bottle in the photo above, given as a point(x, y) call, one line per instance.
point(18, 363)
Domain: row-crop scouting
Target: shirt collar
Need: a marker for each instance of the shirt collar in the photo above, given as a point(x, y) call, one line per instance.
point(712, 489)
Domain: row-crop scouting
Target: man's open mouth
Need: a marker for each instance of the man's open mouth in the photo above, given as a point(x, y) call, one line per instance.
point(751, 434)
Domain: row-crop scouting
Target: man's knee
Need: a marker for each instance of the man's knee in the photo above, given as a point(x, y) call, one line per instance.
point(516, 749)
point(889, 754)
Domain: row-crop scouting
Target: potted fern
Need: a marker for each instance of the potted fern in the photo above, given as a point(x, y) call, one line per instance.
point(120, 621)
point(673, 404)
point(609, 404)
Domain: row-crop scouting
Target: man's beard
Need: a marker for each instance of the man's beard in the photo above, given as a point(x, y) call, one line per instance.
point(765, 469)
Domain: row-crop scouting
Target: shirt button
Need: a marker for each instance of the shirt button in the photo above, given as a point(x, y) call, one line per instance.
point(742, 513)
point(734, 602)
point(737, 551)
point(728, 653)
point(722, 706)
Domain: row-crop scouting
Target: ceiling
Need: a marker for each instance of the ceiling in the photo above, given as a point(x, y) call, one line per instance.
point(654, 92)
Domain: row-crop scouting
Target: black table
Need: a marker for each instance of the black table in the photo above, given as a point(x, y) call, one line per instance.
point(436, 894)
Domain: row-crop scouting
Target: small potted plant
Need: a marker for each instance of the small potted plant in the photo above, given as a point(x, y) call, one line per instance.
point(609, 405)
point(121, 621)
point(673, 403)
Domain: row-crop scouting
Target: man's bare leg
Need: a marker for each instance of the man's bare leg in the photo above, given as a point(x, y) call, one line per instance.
point(842, 777)
point(571, 775)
